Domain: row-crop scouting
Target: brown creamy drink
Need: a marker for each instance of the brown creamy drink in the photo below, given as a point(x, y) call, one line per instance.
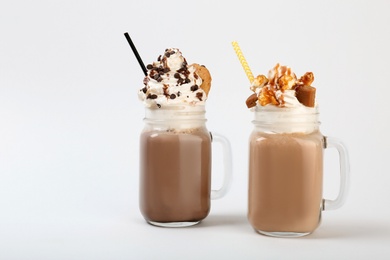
point(285, 182)
point(176, 175)
point(285, 155)
point(175, 145)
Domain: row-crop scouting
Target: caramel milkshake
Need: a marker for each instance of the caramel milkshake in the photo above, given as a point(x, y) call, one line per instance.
point(285, 155)
point(285, 182)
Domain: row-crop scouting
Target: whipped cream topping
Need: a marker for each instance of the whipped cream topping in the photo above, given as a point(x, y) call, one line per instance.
point(170, 81)
point(289, 98)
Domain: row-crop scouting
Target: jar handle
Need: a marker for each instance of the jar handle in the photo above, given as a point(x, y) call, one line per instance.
point(344, 173)
point(227, 163)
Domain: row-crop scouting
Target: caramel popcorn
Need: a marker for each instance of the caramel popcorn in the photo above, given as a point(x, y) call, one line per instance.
point(259, 82)
point(268, 96)
point(281, 80)
point(286, 82)
point(307, 79)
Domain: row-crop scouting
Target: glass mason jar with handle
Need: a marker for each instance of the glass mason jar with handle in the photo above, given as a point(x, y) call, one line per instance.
point(175, 166)
point(286, 171)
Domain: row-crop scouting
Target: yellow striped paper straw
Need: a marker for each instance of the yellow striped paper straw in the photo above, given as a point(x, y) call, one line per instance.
point(243, 62)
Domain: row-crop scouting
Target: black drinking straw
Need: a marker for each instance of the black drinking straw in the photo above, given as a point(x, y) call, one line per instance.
point(141, 63)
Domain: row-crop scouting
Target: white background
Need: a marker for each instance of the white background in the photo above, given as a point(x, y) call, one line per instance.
point(70, 121)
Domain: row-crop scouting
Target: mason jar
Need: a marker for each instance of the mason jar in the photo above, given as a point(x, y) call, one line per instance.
point(176, 164)
point(286, 151)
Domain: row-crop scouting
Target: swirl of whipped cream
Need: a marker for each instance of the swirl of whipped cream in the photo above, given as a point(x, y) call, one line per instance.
point(170, 81)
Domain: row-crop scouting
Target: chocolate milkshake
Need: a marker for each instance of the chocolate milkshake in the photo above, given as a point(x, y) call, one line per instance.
point(175, 184)
point(175, 145)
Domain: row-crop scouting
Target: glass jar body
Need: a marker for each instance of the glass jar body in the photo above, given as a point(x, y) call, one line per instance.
point(285, 182)
point(285, 174)
point(175, 169)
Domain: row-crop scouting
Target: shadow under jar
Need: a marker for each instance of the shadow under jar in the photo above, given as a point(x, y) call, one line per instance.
point(286, 172)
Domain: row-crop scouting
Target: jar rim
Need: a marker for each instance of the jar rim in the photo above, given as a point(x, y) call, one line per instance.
point(176, 114)
point(296, 110)
point(286, 119)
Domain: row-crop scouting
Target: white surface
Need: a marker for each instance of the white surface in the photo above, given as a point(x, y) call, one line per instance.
point(70, 122)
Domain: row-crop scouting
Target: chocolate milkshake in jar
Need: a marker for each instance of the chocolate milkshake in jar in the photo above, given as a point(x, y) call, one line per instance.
point(175, 144)
point(286, 150)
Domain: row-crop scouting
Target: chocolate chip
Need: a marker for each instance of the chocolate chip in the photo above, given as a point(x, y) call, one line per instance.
point(166, 70)
point(144, 90)
point(152, 96)
point(149, 66)
point(159, 58)
point(177, 76)
point(178, 93)
point(187, 80)
point(199, 95)
point(167, 54)
point(194, 88)
point(172, 96)
point(158, 105)
point(180, 81)
point(159, 79)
